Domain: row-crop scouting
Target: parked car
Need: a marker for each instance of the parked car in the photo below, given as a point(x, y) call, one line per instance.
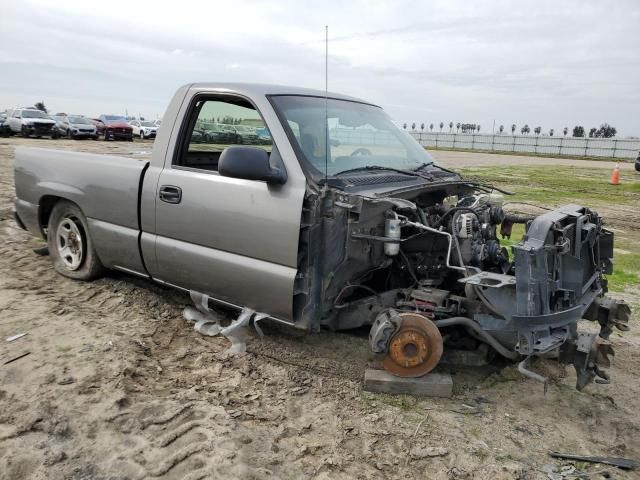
point(144, 129)
point(59, 129)
point(74, 126)
point(220, 133)
point(263, 135)
point(247, 134)
point(367, 233)
point(5, 130)
point(31, 121)
point(98, 124)
point(116, 127)
point(199, 136)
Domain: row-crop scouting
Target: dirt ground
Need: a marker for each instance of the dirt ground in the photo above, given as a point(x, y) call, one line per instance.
point(117, 385)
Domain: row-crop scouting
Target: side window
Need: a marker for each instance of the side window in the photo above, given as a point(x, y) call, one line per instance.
point(216, 123)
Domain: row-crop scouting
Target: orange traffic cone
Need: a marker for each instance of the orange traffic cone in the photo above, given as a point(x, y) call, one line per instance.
point(615, 175)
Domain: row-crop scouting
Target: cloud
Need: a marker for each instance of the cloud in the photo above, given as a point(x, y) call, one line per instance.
point(545, 64)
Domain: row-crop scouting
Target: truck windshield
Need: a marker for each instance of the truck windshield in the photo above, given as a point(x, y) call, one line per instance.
point(359, 135)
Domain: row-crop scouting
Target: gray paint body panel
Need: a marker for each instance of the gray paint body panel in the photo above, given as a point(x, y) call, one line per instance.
point(105, 187)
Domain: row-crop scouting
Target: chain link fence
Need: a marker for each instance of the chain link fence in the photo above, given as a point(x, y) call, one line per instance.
point(567, 146)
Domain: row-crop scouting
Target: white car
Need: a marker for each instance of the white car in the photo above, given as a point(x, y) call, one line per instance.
point(30, 121)
point(144, 129)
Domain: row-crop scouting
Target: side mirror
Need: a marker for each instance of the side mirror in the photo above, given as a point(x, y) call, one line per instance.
point(249, 163)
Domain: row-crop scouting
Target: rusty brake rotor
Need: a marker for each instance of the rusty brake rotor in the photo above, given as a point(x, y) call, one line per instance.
point(416, 347)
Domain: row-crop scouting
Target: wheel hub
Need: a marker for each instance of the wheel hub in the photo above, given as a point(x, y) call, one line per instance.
point(69, 242)
point(415, 349)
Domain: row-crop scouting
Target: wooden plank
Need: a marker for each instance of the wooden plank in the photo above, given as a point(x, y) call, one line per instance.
point(431, 385)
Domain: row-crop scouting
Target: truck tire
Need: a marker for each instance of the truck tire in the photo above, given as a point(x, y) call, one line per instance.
point(70, 246)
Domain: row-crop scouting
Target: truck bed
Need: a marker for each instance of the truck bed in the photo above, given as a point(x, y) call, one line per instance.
point(105, 187)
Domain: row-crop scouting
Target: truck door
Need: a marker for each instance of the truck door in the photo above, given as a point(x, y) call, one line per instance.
point(233, 239)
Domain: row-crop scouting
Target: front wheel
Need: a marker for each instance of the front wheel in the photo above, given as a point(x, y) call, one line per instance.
point(70, 246)
point(25, 132)
point(106, 135)
point(142, 135)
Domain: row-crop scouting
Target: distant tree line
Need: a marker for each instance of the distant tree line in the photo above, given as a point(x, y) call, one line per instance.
point(605, 130)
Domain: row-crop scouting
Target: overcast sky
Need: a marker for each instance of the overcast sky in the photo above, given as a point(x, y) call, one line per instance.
point(552, 64)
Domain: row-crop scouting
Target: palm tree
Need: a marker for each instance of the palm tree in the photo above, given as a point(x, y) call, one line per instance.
point(458, 127)
point(537, 130)
point(501, 129)
point(478, 128)
point(413, 127)
point(431, 127)
point(565, 131)
point(450, 126)
point(441, 125)
point(404, 125)
point(422, 126)
point(551, 132)
point(513, 129)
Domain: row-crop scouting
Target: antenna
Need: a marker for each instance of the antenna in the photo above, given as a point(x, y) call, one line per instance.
point(326, 100)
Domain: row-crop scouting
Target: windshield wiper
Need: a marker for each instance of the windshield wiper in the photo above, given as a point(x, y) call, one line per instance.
point(388, 169)
point(421, 166)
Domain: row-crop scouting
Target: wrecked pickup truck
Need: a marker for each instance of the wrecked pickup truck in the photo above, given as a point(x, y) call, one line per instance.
point(339, 220)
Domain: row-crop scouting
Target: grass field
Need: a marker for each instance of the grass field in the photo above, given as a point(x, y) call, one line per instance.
point(553, 186)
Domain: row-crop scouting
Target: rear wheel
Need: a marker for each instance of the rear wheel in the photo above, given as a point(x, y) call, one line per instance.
point(70, 246)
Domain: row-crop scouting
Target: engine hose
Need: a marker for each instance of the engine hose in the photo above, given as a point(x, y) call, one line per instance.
point(514, 218)
point(485, 336)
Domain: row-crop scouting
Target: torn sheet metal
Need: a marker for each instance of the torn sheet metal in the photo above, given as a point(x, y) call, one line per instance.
point(204, 323)
point(237, 332)
point(207, 323)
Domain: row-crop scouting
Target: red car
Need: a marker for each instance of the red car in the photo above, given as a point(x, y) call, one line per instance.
point(116, 127)
point(99, 125)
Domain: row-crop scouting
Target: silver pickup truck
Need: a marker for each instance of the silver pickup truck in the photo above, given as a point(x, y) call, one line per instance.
point(338, 219)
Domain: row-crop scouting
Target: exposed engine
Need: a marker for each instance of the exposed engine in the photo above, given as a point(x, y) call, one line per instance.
point(428, 272)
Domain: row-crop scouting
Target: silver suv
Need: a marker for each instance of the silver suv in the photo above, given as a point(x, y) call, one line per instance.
point(75, 126)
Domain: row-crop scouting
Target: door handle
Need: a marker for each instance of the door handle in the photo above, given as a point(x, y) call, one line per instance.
point(170, 194)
